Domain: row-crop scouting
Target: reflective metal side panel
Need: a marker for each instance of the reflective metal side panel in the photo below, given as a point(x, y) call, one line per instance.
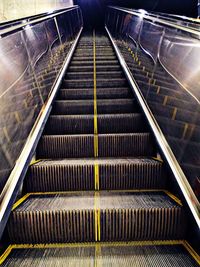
point(164, 61)
point(32, 59)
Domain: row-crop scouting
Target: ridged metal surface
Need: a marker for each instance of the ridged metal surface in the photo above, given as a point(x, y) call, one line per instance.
point(71, 217)
point(64, 175)
point(85, 215)
point(112, 255)
point(67, 107)
point(102, 93)
point(84, 124)
point(100, 83)
point(109, 145)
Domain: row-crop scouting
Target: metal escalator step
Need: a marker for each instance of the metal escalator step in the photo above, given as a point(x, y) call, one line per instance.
point(98, 58)
point(72, 217)
point(89, 75)
point(89, 83)
point(91, 68)
point(109, 145)
point(79, 174)
point(91, 62)
point(89, 53)
point(119, 254)
point(84, 124)
point(73, 107)
point(102, 93)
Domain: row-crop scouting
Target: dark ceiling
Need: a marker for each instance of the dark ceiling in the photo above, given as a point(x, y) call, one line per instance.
point(94, 10)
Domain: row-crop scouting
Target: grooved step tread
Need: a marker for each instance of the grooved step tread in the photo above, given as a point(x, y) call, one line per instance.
point(118, 254)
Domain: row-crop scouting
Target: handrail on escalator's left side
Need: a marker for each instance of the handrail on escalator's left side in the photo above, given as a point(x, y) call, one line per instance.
point(12, 186)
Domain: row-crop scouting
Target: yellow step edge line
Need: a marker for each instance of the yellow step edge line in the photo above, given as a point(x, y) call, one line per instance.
point(172, 196)
point(96, 173)
point(192, 252)
point(21, 200)
point(97, 254)
point(97, 217)
point(96, 166)
point(157, 159)
point(185, 130)
point(98, 246)
point(35, 161)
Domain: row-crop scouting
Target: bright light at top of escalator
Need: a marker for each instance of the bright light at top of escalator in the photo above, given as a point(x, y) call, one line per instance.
point(27, 26)
point(142, 11)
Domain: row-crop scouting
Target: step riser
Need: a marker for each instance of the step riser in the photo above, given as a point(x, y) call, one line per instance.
point(79, 226)
point(79, 94)
point(62, 108)
point(90, 84)
point(85, 125)
point(59, 177)
point(90, 63)
point(72, 76)
point(83, 146)
point(91, 68)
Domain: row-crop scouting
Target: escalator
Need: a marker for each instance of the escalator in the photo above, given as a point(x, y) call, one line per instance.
point(97, 193)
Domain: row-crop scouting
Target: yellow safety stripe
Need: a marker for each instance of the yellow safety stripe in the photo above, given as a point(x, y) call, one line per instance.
point(158, 159)
point(95, 100)
point(17, 117)
point(185, 130)
point(192, 252)
point(34, 161)
point(5, 131)
point(97, 217)
point(21, 200)
point(174, 113)
point(176, 199)
point(96, 166)
point(96, 173)
point(165, 100)
point(98, 246)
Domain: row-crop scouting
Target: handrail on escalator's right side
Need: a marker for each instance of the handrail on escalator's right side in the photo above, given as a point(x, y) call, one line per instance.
point(181, 179)
point(192, 31)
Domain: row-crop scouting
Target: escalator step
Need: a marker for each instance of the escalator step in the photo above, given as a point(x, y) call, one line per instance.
point(138, 255)
point(109, 145)
point(102, 93)
point(71, 217)
point(74, 107)
point(90, 58)
point(90, 83)
point(91, 62)
point(114, 174)
point(84, 124)
point(89, 75)
point(91, 68)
